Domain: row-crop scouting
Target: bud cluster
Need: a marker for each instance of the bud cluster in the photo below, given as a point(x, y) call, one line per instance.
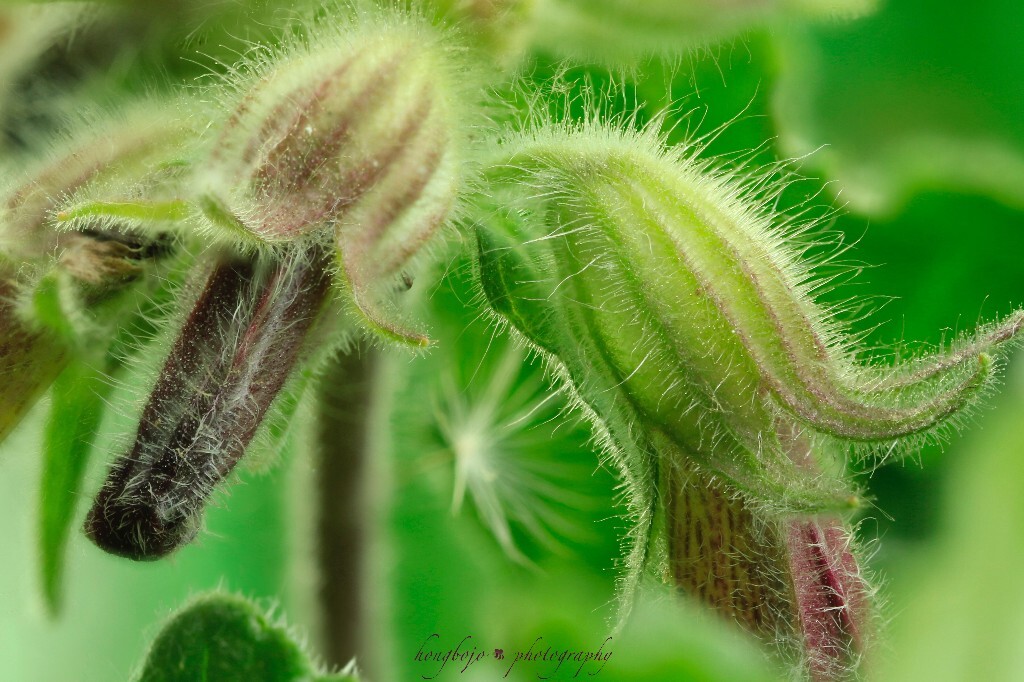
point(248, 230)
point(334, 165)
point(328, 169)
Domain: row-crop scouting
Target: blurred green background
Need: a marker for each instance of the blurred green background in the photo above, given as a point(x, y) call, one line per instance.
point(480, 507)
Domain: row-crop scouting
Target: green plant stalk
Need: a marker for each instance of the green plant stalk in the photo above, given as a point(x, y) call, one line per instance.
point(345, 392)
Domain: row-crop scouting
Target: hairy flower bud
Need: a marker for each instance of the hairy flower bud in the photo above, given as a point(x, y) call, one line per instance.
point(677, 289)
point(249, 329)
point(353, 132)
point(112, 153)
point(90, 257)
point(682, 318)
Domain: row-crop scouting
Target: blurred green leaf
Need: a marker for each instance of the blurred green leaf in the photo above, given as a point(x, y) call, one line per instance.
point(959, 605)
point(672, 640)
point(223, 638)
point(77, 397)
point(922, 95)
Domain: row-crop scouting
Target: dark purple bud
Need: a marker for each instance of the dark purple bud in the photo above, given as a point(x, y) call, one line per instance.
point(247, 332)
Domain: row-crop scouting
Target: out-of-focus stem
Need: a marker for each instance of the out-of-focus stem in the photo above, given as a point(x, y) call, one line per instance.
point(345, 399)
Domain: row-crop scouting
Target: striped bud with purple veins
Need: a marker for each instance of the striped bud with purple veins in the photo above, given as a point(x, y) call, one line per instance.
point(352, 133)
point(651, 271)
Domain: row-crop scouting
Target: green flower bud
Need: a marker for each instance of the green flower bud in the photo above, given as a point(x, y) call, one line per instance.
point(683, 320)
point(668, 282)
point(352, 132)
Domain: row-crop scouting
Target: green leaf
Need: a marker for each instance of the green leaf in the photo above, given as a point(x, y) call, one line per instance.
point(221, 637)
point(957, 602)
point(77, 407)
point(79, 397)
point(923, 96)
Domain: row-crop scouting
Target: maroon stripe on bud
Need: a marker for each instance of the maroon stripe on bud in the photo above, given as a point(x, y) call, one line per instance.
point(324, 149)
point(236, 350)
point(288, 115)
point(831, 597)
point(302, 180)
point(411, 168)
point(280, 163)
point(406, 159)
